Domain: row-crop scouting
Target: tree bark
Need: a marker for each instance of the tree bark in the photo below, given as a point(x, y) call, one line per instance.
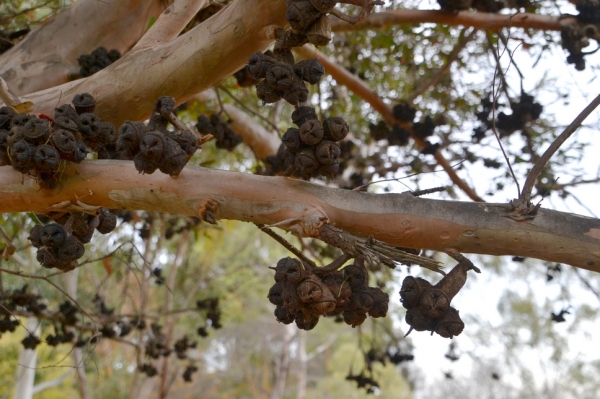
point(397, 219)
point(189, 64)
point(47, 57)
point(479, 20)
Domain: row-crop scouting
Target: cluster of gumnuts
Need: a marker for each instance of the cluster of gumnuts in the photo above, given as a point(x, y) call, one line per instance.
point(222, 132)
point(213, 315)
point(6, 38)
point(60, 244)
point(399, 135)
point(428, 306)
point(99, 59)
point(523, 111)
point(18, 299)
point(484, 119)
point(391, 354)
point(154, 146)
point(364, 380)
point(575, 38)
point(302, 296)
point(589, 11)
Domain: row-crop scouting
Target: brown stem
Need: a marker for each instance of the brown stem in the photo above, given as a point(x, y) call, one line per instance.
point(286, 245)
point(342, 76)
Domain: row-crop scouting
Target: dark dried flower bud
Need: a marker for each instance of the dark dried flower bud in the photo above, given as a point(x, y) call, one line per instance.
point(280, 77)
point(336, 128)
point(20, 120)
point(47, 258)
point(357, 277)
point(36, 131)
point(419, 321)
point(21, 154)
point(107, 221)
point(80, 153)
point(152, 146)
point(174, 158)
point(310, 70)
point(306, 321)
point(354, 317)
point(259, 64)
point(83, 103)
point(67, 111)
point(329, 170)
point(296, 94)
point(64, 141)
point(157, 121)
point(327, 152)
point(244, 79)
point(46, 157)
point(53, 235)
point(339, 287)
point(130, 134)
point(144, 165)
point(283, 316)
point(411, 291)
point(275, 294)
point(325, 6)
point(362, 300)
point(434, 303)
point(380, 304)
point(302, 114)
point(64, 123)
point(72, 249)
point(311, 132)
point(283, 55)
point(295, 271)
point(267, 94)
point(306, 161)
point(311, 289)
point(186, 140)
point(106, 133)
point(6, 114)
point(450, 325)
point(291, 139)
point(35, 236)
point(88, 126)
point(301, 14)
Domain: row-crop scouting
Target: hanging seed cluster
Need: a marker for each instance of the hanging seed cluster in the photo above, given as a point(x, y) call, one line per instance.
point(428, 306)
point(99, 59)
point(524, 111)
point(40, 146)
point(484, 118)
point(154, 146)
point(303, 297)
point(589, 11)
point(574, 39)
point(223, 133)
point(60, 244)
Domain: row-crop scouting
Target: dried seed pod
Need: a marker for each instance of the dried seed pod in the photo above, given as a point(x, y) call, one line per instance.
point(64, 123)
point(306, 321)
point(311, 132)
point(244, 79)
point(283, 55)
point(309, 70)
point(291, 139)
point(4, 148)
point(280, 77)
point(20, 120)
point(418, 320)
point(380, 303)
point(283, 316)
point(339, 287)
point(329, 170)
point(325, 6)
point(282, 268)
point(130, 134)
point(434, 303)
point(296, 271)
point(72, 249)
point(157, 121)
point(35, 236)
point(450, 325)
point(64, 141)
point(336, 128)
point(323, 306)
point(357, 277)
point(259, 64)
point(80, 153)
point(186, 140)
point(291, 300)
point(319, 32)
point(67, 111)
point(107, 221)
point(36, 131)
point(152, 146)
point(267, 94)
point(144, 165)
point(354, 317)
point(53, 235)
point(106, 133)
point(411, 291)
point(174, 158)
point(46, 158)
point(327, 152)
point(296, 94)
point(47, 258)
point(88, 126)
point(306, 161)
point(302, 114)
point(362, 300)
point(21, 154)
point(301, 14)
point(287, 38)
point(6, 114)
point(311, 289)
point(84, 103)
point(275, 294)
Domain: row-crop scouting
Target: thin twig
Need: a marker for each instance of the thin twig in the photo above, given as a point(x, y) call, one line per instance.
point(286, 244)
point(244, 106)
point(541, 162)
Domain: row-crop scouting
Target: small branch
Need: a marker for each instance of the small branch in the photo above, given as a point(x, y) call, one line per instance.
point(170, 23)
point(6, 94)
point(10, 247)
point(342, 76)
point(523, 203)
point(286, 244)
point(462, 42)
point(51, 383)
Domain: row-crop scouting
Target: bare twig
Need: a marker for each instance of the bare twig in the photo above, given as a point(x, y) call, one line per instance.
point(287, 245)
point(10, 247)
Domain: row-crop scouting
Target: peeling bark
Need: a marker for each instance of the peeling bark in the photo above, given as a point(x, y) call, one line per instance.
point(300, 207)
point(47, 57)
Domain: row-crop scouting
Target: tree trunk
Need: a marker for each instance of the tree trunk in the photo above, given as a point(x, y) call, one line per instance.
point(26, 366)
point(397, 219)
